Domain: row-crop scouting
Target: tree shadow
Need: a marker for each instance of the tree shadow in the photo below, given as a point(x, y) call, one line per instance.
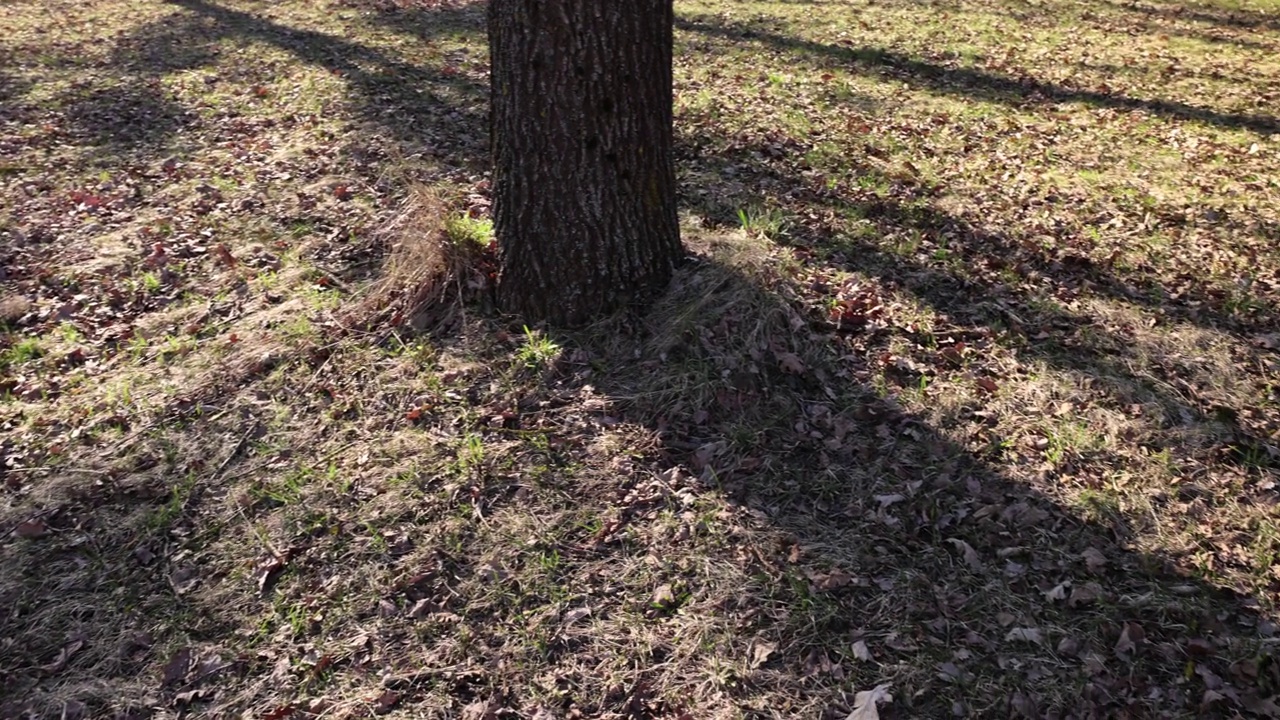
point(1129, 16)
point(1223, 20)
point(11, 91)
point(1025, 313)
point(971, 82)
point(179, 41)
point(1235, 18)
point(415, 102)
point(1004, 601)
point(133, 115)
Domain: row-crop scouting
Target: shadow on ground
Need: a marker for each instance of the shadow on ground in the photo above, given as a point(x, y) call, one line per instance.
point(970, 287)
point(415, 102)
point(1205, 14)
point(929, 552)
point(971, 82)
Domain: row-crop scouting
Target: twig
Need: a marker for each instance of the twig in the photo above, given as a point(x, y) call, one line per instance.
point(89, 471)
point(244, 439)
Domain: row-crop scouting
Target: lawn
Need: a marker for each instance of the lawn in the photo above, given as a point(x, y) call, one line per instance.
point(970, 390)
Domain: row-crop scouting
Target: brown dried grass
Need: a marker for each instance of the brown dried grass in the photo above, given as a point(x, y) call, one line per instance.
point(426, 274)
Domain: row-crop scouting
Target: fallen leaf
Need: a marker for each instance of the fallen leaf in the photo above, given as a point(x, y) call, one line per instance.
point(576, 614)
point(224, 255)
point(861, 652)
point(663, 597)
point(1024, 634)
point(970, 555)
point(31, 529)
point(1129, 639)
point(386, 701)
point(761, 652)
point(184, 578)
point(791, 363)
point(1094, 559)
point(864, 703)
point(176, 669)
point(1059, 591)
point(987, 385)
point(268, 573)
point(423, 608)
point(63, 656)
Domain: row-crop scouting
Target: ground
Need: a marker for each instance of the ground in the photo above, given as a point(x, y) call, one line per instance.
point(970, 390)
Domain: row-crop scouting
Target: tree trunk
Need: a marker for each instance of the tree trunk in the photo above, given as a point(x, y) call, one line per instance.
point(583, 176)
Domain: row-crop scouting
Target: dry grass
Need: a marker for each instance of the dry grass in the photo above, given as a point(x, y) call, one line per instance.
point(969, 388)
point(437, 260)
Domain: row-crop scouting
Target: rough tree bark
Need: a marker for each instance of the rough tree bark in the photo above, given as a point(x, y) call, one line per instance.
point(583, 176)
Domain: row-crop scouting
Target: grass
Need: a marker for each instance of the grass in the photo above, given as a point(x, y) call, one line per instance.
point(970, 390)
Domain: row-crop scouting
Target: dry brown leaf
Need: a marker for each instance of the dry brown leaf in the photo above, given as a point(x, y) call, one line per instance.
point(576, 614)
point(862, 652)
point(1024, 634)
point(176, 669)
point(970, 555)
point(1094, 559)
point(386, 701)
point(1059, 592)
point(664, 597)
point(1129, 639)
point(31, 529)
point(790, 363)
point(864, 703)
point(761, 651)
point(63, 656)
point(268, 573)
